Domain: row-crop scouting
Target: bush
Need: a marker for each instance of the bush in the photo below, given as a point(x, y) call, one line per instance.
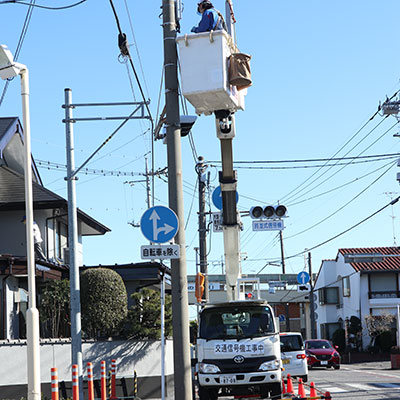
point(384, 341)
point(144, 317)
point(104, 302)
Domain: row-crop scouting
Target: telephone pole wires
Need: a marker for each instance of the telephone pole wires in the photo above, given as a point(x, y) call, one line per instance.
point(180, 312)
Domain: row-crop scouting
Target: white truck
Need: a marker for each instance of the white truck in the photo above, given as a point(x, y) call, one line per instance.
point(238, 350)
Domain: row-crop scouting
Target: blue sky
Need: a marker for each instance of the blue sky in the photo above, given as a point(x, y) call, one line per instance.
point(319, 69)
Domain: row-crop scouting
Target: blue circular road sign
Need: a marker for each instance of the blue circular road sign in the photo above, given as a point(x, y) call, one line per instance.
point(303, 277)
point(217, 197)
point(159, 224)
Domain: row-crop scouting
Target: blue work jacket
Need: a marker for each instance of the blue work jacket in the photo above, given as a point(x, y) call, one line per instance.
point(208, 22)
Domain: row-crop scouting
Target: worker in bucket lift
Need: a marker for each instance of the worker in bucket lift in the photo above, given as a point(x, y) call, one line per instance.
point(211, 20)
point(37, 240)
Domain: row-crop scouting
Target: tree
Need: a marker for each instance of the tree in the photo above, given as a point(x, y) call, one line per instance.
point(104, 302)
point(144, 317)
point(377, 324)
point(54, 309)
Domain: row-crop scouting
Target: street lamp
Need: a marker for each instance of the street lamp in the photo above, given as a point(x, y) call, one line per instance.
point(10, 69)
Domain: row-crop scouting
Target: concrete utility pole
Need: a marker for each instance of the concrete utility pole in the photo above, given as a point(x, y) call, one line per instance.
point(75, 303)
point(312, 306)
point(200, 169)
point(180, 312)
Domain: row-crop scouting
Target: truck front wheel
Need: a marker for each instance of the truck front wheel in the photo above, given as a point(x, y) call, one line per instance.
point(208, 394)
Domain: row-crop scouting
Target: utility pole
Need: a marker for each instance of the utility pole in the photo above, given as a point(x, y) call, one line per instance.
point(75, 302)
point(200, 169)
point(312, 304)
point(180, 312)
point(282, 253)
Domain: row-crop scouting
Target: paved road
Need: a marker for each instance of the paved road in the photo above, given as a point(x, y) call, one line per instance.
point(364, 381)
point(369, 381)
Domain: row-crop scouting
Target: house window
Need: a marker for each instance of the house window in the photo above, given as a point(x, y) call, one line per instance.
point(61, 239)
point(328, 295)
point(346, 286)
point(327, 330)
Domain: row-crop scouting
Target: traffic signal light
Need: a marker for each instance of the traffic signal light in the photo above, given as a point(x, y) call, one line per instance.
point(199, 287)
point(260, 212)
point(249, 296)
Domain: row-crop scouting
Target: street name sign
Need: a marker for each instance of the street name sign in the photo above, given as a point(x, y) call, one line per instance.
point(159, 224)
point(160, 252)
point(268, 225)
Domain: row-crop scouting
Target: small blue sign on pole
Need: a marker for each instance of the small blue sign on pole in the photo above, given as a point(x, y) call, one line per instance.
point(217, 197)
point(303, 277)
point(159, 224)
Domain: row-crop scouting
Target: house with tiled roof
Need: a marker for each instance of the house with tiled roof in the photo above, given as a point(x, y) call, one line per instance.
point(51, 215)
point(358, 283)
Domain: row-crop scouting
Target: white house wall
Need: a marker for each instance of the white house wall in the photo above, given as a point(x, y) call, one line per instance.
point(350, 305)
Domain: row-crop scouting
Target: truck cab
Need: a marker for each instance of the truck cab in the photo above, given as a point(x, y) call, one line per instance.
point(238, 350)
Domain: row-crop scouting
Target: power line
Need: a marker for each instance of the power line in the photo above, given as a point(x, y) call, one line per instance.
point(320, 166)
point(39, 6)
point(338, 187)
point(336, 172)
point(19, 45)
point(338, 235)
point(311, 159)
point(345, 205)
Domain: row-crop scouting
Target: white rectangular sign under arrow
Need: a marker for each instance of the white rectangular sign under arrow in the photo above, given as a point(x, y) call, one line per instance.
point(160, 252)
point(268, 225)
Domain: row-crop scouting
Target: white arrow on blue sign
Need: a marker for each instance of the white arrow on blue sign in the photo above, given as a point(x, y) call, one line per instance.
point(303, 277)
point(217, 197)
point(159, 224)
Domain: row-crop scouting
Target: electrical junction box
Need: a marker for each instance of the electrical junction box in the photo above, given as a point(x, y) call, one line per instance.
point(204, 61)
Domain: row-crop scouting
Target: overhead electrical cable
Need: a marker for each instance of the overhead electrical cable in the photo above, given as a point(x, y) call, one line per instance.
point(319, 166)
point(19, 45)
point(339, 234)
point(288, 195)
point(338, 187)
point(40, 6)
point(298, 195)
point(311, 159)
point(345, 205)
point(124, 48)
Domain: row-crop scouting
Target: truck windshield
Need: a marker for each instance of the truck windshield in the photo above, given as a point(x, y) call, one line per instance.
point(238, 322)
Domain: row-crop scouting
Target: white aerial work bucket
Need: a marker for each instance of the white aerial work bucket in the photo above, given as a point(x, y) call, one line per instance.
point(204, 72)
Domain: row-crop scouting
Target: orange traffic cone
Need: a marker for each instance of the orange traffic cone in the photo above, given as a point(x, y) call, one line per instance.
point(283, 386)
point(328, 396)
point(313, 392)
point(301, 393)
point(289, 388)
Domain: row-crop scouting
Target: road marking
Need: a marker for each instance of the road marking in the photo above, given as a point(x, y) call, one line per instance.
point(360, 386)
point(334, 389)
point(363, 371)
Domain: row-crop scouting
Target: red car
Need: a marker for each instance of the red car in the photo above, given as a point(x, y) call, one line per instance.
point(320, 353)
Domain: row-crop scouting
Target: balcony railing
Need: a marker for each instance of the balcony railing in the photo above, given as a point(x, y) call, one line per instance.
point(384, 294)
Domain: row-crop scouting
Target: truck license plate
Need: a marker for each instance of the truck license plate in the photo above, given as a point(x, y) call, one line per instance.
point(324, 362)
point(227, 380)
